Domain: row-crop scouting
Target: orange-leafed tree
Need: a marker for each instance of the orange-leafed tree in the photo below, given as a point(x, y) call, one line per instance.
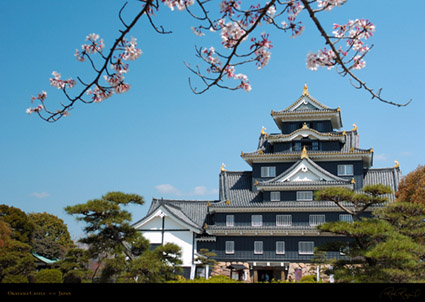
point(412, 186)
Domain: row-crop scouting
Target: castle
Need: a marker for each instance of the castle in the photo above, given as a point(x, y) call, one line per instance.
point(263, 224)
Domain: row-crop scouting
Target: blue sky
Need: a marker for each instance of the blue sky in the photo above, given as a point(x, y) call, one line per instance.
point(161, 140)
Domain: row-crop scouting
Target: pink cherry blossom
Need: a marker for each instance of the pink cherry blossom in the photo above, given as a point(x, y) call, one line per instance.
point(122, 87)
point(131, 52)
point(95, 46)
point(61, 84)
point(99, 94)
point(329, 4)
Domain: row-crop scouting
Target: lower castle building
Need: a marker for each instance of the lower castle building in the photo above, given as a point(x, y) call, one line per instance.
point(263, 225)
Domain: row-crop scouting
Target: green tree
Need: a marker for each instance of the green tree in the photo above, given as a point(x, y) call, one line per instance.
point(384, 248)
point(50, 238)
point(17, 264)
point(75, 266)
point(352, 202)
point(20, 224)
point(123, 252)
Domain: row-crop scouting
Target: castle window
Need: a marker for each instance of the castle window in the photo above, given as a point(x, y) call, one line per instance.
point(268, 171)
point(280, 247)
point(274, 196)
point(256, 220)
point(306, 247)
point(258, 247)
point(304, 195)
point(283, 220)
point(230, 247)
point(316, 219)
point(345, 170)
point(230, 220)
point(296, 146)
point(346, 217)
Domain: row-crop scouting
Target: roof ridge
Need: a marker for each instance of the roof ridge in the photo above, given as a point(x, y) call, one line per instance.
point(180, 200)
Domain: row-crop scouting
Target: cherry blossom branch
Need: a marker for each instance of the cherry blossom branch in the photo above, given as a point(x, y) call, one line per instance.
point(233, 33)
point(237, 27)
point(97, 91)
point(336, 54)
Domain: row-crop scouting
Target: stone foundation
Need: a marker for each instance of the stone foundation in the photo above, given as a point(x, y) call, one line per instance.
point(306, 269)
point(220, 268)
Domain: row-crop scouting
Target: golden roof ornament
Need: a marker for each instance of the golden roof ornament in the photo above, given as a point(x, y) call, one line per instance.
point(227, 202)
point(353, 181)
point(305, 126)
point(222, 169)
point(304, 153)
point(305, 90)
point(397, 165)
point(355, 127)
point(263, 130)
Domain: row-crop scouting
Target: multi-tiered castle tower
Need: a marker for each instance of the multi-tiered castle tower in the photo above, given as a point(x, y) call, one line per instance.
point(264, 224)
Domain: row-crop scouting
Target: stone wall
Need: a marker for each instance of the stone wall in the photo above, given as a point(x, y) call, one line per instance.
point(220, 268)
point(308, 269)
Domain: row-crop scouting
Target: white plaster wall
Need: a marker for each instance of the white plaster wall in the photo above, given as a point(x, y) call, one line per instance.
point(184, 239)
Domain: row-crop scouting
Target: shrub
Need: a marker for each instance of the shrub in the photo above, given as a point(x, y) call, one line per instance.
point(15, 279)
point(49, 276)
point(308, 279)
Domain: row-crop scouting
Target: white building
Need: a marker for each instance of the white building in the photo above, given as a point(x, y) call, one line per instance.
point(178, 222)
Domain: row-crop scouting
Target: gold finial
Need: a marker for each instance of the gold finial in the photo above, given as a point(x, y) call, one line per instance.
point(397, 165)
point(242, 154)
point(305, 126)
point(222, 169)
point(205, 226)
point(355, 127)
point(263, 130)
point(261, 151)
point(272, 112)
point(304, 153)
point(371, 150)
point(352, 149)
point(256, 182)
point(338, 109)
point(208, 204)
point(305, 90)
point(344, 133)
point(227, 202)
point(353, 181)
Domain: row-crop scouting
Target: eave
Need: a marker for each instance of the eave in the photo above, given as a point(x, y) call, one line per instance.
point(305, 132)
point(334, 115)
point(258, 157)
point(264, 230)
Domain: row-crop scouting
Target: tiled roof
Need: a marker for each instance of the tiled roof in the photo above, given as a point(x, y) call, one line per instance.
point(336, 179)
point(191, 212)
point(236, 192)
point(351, 144)
point(235, 187)
point(387, 176)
